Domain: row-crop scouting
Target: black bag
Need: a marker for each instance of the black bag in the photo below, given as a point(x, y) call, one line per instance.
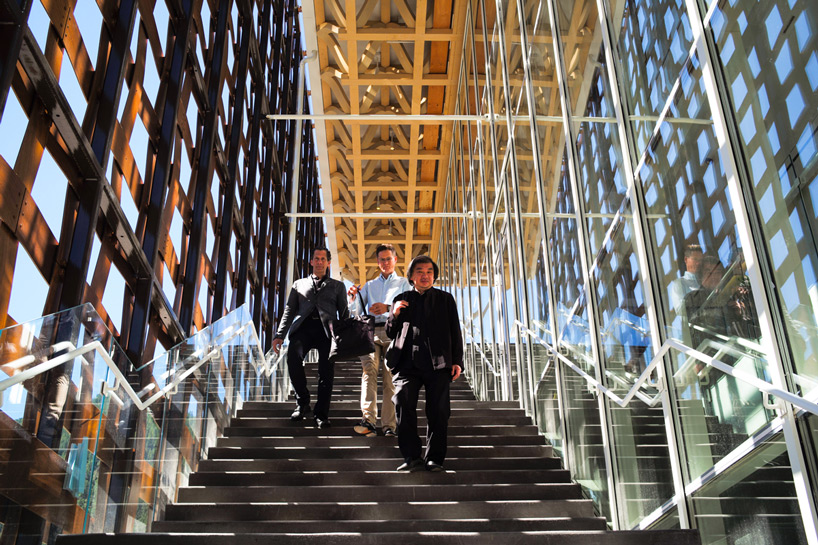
point(352, 337)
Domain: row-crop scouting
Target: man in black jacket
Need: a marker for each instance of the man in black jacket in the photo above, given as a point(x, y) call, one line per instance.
point(314, 302)
point(427, 351)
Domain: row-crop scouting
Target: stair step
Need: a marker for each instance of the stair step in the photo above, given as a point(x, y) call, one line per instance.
point(380, 493)
point(645, 537)
point(380, 478)
point(358, 441)
point(347, 411)
point(375, 464)
point(272, 510)
point(366, 452)
point(457, 419)
point(272, 480)
point(356, 403)
point(261, 428)
point(388, 526)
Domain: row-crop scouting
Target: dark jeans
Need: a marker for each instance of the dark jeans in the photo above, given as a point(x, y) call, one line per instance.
point(438, 409)
point(311, 335)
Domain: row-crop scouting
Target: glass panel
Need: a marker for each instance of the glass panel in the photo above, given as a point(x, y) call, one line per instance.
point(716, 411)
point(578, 23)
point(708, 303)
point(504, 301)
point(547, 407)
point(113, 466)
point(624, 327)
point(753, 502)
point(572, 320)
point(654, 39)
point(585, 439)
point(516, 72)
point(483, 29)
point(642, 458)
point(769, 53)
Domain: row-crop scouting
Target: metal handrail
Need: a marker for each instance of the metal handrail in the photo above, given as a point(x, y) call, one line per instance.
point(120, 380)
point(658, 358)
point(479, 350)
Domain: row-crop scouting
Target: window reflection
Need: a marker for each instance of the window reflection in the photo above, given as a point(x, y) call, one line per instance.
point(654, 38)
point(768, 49)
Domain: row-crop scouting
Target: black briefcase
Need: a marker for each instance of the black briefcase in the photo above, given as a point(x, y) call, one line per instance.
point(352, 337)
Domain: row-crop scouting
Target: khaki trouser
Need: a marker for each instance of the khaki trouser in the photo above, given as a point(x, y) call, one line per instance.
point(369, 384)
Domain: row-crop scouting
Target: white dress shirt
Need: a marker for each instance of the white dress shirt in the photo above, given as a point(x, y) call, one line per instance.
point(380, 290)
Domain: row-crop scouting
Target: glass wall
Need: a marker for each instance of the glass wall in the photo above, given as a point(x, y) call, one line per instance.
point(638, 254)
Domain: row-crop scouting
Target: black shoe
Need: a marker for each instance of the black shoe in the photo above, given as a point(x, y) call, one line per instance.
point(322, 423)
point(412, 465)
point(300, 412)
point(364, 428)
point(434, 467)
point(389, 432)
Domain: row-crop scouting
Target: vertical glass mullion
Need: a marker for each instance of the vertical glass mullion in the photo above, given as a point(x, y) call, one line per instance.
point(538, 169)
point(510, 189)
point(582, 235)
point(644, 256)
point(487, 225)
point(722, 125)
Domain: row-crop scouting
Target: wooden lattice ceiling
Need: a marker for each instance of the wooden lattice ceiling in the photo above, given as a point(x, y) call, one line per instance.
point(386, 57)
point(375, 57)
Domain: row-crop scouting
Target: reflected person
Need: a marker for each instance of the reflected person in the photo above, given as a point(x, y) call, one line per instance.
point(689, 281)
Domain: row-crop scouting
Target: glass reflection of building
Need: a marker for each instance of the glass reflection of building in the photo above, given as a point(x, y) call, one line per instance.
point(607, 148)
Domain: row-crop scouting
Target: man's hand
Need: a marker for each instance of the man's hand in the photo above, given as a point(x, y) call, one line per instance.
point(378, 308)
point(455, 372)
point(353, 291)
point(396, 308)
point(277, 345)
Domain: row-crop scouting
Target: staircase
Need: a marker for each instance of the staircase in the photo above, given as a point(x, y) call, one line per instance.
point(270, 480)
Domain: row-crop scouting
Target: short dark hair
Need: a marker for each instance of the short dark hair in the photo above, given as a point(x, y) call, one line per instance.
point(383, 247)
point(323, 249)
point(691, 249)
point(417, 261)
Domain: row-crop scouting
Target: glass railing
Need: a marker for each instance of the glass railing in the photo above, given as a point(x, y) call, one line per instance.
point(725, 407)
point(84, 450)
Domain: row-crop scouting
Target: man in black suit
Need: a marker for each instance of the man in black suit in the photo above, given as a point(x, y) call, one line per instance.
point(314, 302)
point(427, 351)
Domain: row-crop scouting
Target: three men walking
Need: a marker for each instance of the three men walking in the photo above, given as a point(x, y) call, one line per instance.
point(426, 350)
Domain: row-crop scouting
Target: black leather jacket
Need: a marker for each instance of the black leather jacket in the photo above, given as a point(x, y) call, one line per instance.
point(440, 323)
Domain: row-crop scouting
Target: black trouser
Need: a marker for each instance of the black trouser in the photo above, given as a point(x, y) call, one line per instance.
point(311, 335)
point(438, 409)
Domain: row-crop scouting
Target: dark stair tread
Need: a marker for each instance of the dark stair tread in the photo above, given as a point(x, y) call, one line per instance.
point(391, 526)
point(353, 440)
point(367, 452)
point(645, 537)
point(381, 493)
point(296, 429)
point(373, 477)
point(375, 464)
point(272, 510)
point(272, 480)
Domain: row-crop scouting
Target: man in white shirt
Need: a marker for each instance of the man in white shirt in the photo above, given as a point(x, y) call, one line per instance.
point(375, 298)
point(690, 280)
